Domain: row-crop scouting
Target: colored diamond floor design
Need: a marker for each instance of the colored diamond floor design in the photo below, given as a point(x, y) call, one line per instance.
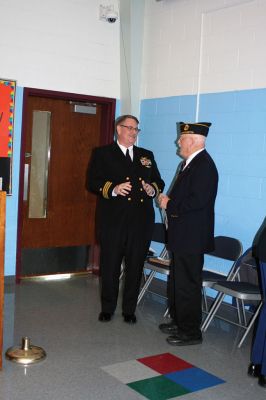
point(163, 376)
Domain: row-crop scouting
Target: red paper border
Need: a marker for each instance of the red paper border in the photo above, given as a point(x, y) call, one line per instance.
point(7, 108)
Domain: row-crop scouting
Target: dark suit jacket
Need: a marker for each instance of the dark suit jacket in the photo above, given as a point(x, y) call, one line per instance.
point(259, 243)
point(190, 210)
point(108, 168)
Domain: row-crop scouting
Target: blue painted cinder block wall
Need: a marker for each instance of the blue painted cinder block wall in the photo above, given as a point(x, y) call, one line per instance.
point(236, 141)
point(158, 118)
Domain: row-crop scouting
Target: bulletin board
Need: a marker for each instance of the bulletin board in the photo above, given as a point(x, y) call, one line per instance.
point(7, 109)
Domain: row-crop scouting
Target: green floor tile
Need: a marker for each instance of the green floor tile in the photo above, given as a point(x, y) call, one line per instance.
point(158, 388)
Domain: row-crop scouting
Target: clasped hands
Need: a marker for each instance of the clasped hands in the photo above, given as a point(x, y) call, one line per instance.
point(123, 189)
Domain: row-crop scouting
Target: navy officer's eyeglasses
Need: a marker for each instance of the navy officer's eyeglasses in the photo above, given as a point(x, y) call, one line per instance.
point(131, 128)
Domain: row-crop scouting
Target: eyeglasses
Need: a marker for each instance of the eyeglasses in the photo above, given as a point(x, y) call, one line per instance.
point(131, 128)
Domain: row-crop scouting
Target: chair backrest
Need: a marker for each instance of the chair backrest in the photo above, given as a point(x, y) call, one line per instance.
point(245, 270)
point(247, 267)
point(159, 233)
point(160, 236)
point(227, 247)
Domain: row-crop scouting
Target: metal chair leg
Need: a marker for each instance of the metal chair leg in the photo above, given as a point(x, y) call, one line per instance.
point(205, 300)
point(145, 286)
point(251, 322)
point(212, 311)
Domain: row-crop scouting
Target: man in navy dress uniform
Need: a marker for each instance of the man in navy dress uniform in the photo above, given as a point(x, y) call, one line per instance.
point(127, 179)
point(257, 368)
point(190, 213)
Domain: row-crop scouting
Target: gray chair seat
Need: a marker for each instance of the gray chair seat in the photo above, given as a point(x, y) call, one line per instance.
point(226, 248)
point(243, 287)
point(159, 264)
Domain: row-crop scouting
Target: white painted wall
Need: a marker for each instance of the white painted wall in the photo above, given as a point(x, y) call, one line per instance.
point(131, 39)
point(203, 46)
point(60, 45)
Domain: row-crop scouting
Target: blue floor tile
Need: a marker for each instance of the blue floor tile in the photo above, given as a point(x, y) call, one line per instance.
point(194, 379)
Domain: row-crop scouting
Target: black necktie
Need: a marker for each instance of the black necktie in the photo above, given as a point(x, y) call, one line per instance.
point(128, 156)
point(183, 164)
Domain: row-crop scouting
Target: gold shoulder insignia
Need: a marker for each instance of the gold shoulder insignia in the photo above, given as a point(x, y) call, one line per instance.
point(146, 162)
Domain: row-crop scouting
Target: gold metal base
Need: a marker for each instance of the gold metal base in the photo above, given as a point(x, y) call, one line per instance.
point(26, 354)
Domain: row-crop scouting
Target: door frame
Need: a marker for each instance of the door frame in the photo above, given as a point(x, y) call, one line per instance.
point(106, 136)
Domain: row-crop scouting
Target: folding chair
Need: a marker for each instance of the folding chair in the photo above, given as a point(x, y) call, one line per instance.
point(151, 253)
point(158, 264)
point(240, 290)
point(226, 248)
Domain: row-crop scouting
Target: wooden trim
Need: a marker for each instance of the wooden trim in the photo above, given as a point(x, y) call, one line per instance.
point(2, 259)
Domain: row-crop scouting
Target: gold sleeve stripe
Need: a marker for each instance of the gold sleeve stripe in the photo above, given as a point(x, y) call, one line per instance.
point(156, 188)
point(106, 188)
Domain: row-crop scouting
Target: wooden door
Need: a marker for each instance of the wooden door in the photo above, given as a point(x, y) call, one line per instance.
point(67, 229)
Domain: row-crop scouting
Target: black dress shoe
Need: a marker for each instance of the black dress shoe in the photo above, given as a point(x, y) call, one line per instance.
point(262, 380)
point(254, 370)
point(183, 340)
point(130, 318)
point(170, 328)
point(104, 316)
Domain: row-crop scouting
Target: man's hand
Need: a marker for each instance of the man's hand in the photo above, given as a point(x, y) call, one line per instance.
point(163, 200)
point(148, 188)
point(123, 189)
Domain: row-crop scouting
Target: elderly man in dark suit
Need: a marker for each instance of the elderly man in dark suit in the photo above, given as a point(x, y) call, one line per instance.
point(257, 368)
point(190, 213)
point(126, 178)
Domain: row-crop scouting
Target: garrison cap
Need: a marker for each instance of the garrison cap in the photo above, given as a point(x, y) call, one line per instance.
point(198, 128)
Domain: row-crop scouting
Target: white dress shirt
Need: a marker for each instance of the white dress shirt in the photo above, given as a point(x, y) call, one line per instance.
point(124, 149)
point(190, 158)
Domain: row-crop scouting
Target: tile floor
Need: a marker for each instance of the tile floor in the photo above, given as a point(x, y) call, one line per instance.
point(90, 360)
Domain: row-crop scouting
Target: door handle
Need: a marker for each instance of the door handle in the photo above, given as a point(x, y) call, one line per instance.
point(26, 182)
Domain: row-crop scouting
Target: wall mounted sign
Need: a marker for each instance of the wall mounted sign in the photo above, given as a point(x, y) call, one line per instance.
point(7, 108)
